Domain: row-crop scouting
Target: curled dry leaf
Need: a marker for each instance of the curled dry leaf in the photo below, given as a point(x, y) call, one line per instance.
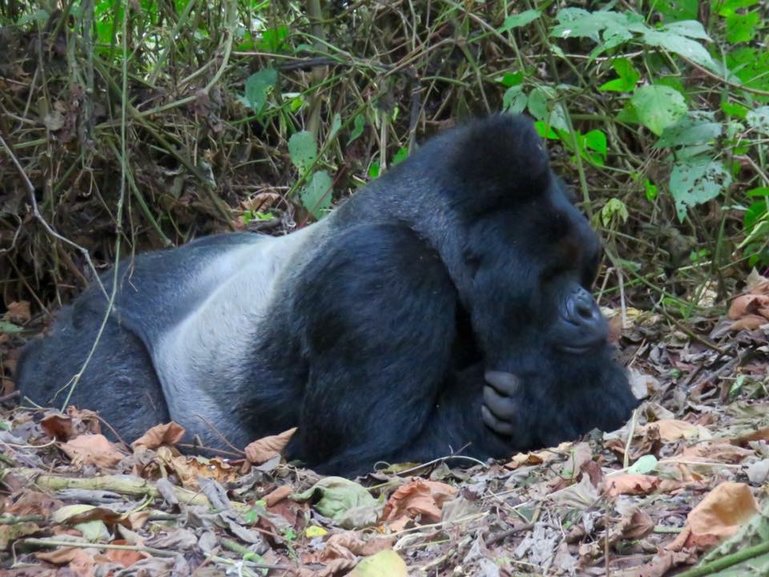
point(165, 434)
point(631, 484)
point(124, 557)
point(58, 426)
point(718, 516)
point(278, 495)
point(672, 430)
point(18, 312)
point(92, 450)
point(265, 448)
point(78, 561)
point(538, 457)
point(750, 311)
point(349, 545)
point(636, 525)
point(419, 499)
point(723, 510)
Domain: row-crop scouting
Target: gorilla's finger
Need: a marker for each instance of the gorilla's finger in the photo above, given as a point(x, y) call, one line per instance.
point(500, 427)
point(506, 383)
point(501, 406)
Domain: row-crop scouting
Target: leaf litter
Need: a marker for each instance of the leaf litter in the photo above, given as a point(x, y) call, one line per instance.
point(683, 483)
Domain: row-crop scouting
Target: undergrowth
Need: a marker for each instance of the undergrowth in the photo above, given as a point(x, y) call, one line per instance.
point(141, 125)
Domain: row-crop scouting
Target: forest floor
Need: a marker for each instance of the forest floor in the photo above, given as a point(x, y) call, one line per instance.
point(682, 483)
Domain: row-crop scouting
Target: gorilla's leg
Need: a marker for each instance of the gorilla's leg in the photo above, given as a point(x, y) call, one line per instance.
point(379, 314)
point(119, 381)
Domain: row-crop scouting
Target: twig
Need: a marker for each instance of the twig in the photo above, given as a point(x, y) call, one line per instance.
point(727, 561)
point(122, 484)
point(39, 216)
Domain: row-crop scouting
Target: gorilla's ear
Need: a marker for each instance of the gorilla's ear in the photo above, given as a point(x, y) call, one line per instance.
point(495, 162)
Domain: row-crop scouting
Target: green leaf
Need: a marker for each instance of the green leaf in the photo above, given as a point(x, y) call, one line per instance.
point(579, 23)
point(543, 106)
point(273, 39)
point(696, 128)
point(258, 87)
point(696, 181)
point(519, 20)
point(658, 107)
point(628, 77)
point(678, 9)
point(511, 79)
point(684, 47)
point(336, 124)
point(742, 27)
point(514, 100)
point(303, 151)
point(400, 156)
point(9, 328)
point(758, 119)
point(754, 214)
point(386, 563)
point(735, 109)
point(614, 210)
point(359, 123)
point(316, 196)
point(644, 465)
point(651, 191)
point(594, 143)
point(688, 28)
point(344, 501)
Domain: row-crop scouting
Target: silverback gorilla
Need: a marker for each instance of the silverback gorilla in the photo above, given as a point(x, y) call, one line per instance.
point(444, 308)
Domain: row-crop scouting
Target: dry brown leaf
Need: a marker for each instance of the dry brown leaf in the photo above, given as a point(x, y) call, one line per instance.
point(722, 511)
point(538, 457)
point(671, 430)
point(748, 323)
point(749, 304)
point(266, 448)
point(92, 450)
point(164, 434)
point(189, 468)
point(124, 557)
point(636, 525)
point(417, 500)
point(277, 495)
point(759, 435)
point(349, 545)
point(631, 484)
point(717, 517)
point(18, 312)
point(715, 452)
point(78, 561)
point(757, 283)
point(58, 426)
point(30, 502)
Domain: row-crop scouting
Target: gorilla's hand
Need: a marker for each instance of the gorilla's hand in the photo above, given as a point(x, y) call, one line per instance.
point(499, 407)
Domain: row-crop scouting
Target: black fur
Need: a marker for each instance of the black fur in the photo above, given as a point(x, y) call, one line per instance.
point(444, 307)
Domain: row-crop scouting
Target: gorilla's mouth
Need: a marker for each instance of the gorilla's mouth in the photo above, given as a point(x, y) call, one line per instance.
point(580, 349)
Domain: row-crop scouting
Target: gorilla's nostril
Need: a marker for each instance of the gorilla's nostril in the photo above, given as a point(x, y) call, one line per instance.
point(585, 310)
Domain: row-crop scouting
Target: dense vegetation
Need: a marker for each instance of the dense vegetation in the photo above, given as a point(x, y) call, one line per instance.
point(135, 125)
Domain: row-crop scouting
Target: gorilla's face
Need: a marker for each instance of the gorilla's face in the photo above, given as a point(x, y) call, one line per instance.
point(545, 256)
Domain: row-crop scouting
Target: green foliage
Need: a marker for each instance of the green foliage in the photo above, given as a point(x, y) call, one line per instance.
point(519, 20)
point(653, 109)
point(697, 180)
point(316, 194)
point(258, 87)
point(657, 107)
point(303, 151)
